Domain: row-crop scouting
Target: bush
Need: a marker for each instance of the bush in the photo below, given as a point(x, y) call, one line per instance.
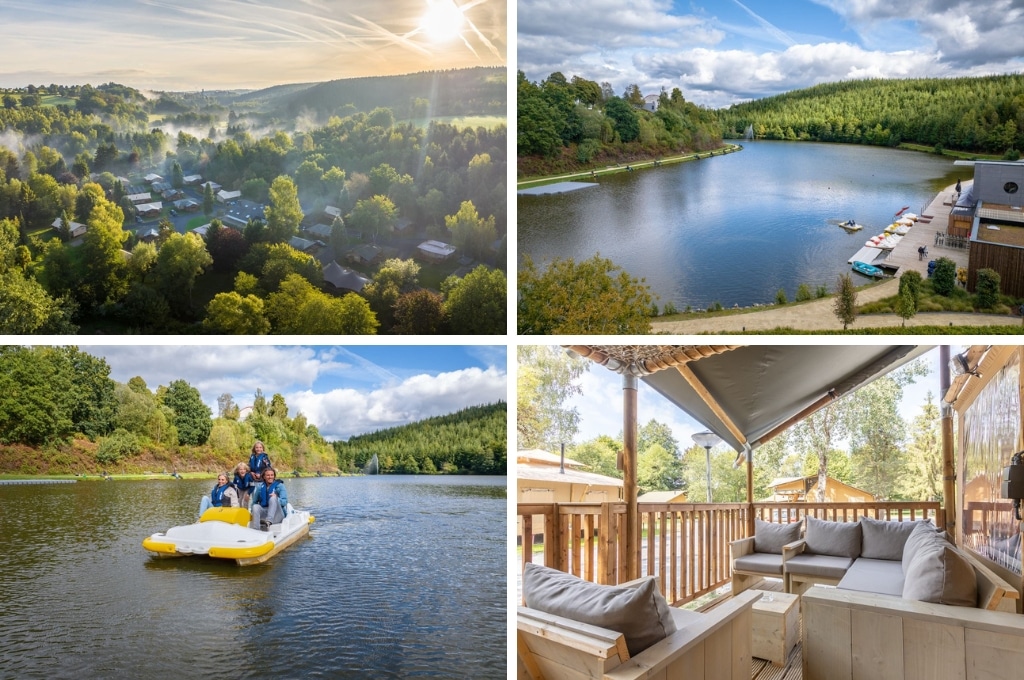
point(780, 297)
point(944, 277)
point(669, 309)
point(912, 280)
point(803, 292)
point(120, 444)
point(987, 288)
point(821, 291)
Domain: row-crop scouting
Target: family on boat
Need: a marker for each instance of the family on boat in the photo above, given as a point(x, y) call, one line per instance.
point(254, 486)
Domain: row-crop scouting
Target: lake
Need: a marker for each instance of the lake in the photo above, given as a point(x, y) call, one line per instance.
point(734, 229)
point(401, 576)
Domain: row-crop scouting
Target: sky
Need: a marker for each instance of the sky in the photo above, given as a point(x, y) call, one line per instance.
point(720, 52)
point(344, 391)
point(242, 44)
point(600, 405)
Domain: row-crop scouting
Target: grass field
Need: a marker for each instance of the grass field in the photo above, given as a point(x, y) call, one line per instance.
point(197, 221)
point(487, 122)
point(56, 100)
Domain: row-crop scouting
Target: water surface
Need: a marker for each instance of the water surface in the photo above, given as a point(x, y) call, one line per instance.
point(402, 576)
point(737, 228)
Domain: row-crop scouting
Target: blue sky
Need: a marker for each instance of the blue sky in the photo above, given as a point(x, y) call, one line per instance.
point(231, 44)
point(343, 390)
point(600, 405)
point(720, 52)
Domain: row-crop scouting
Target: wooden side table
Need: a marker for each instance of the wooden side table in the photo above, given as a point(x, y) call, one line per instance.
point(776, 626)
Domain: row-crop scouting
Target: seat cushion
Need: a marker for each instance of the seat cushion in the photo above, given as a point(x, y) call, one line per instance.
point(881, 540)
point(941, 574)
point(825, 566)
point(769, 537)
point(874, 576)
point(840, 539)
point(759, 563)
point(637, 611)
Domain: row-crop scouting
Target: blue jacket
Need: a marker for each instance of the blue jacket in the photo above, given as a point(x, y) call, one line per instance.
point(262, 495)
point(243, 484)
point(217, 495)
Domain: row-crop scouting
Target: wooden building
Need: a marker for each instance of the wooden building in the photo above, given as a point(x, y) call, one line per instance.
point(997, 225)
point(805, 490)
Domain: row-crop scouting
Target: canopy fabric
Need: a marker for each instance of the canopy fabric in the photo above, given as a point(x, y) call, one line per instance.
point(744, 394)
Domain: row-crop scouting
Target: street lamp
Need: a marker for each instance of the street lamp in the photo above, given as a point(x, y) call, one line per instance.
point(707, 439)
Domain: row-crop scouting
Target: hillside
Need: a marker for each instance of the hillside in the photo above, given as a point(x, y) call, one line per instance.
point(471, 440)
point(969, 114)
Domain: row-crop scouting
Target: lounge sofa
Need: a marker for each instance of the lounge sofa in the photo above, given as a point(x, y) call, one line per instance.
point(575, 629)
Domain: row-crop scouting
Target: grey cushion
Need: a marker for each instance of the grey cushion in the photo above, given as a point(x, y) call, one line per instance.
point(874, 576)
point(640, 612)
point(922, 535)
point(760, 563)
point(825, 566)
point(769, 537)
point(840, 539)
point(940, 573)
point(883, 540)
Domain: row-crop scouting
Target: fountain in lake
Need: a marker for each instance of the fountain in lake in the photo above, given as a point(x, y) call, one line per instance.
point(749, 134)
point(372, 467)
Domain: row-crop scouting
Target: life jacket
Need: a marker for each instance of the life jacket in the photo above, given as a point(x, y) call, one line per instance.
point(258, 462)
point(217, 495)
point(262, 494)
point(244, 483)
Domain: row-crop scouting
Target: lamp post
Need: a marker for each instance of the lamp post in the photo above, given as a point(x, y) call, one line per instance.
point(707, 439)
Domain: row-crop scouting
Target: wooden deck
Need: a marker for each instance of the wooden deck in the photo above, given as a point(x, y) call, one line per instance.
point(904, 256)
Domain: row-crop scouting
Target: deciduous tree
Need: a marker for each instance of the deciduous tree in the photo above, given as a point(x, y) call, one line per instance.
point(845, 304)
point(284, 213)
point(191, 415)
point(477, 304)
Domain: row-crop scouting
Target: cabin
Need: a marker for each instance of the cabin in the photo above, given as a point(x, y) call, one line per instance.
point(366, 254)
point(191, 180)
point(150, 209)
point(997, 225)
point(677, 496)
point(319, 231)
point(225, 196)
point(152, 177)
point(748, 395)
point(187, 205)
point(213, 185)
point(239, 214)
point(76, 228)
point(434, 251)
point(142, 197)
point(805, 489)
point(301, 244)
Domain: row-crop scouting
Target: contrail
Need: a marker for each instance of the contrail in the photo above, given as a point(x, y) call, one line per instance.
point(772, 29)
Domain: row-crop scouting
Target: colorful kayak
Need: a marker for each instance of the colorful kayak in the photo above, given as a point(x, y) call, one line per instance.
point(867, 269)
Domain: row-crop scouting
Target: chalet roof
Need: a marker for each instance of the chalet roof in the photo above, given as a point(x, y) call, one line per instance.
point(748, 394)
point(543, 457)
point(551, 473)
point(660, 496)
point(343, 277)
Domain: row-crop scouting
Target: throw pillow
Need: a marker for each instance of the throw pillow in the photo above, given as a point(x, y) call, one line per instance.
point(840, 539)
point(940, 573)
point(922, 535)
point(884, 540)
point(639, 612)
point(769, 537)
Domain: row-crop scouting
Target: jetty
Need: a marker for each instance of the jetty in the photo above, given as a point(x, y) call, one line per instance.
point(7, 482)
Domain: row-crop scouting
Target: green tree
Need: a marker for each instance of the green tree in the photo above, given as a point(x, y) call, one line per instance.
point(394, 278)
point(818, 434)
point(905, 306)
point(780, 297)
point(944, 276)
point(234, 314)
point(179, 263)
point(803, 293)
point(658, 470)
point(191, 415)
point(654, 432)
point(471, 232)
point(209, 200)
point(923, 481)
point(594, 296)
point(599, 455)
point(477, 303)
point(104, 273)
point(546, 378)
point(374, 215)
point(419, 312)
point(177, 175)
point(845, 304)
point(987, 288)
point(625, 119)
point(911, 280)
point(284, 213)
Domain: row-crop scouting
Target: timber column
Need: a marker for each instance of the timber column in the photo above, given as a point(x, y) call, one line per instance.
point(629, 426)
point(948, 467)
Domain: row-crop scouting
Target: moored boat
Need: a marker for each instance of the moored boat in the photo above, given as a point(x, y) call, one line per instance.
point(224, 533)
point(851, 226)
point(867, 269)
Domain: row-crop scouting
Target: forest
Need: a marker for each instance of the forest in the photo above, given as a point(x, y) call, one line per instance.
point(577, 124)
point(472, 440)
point(74, 159)
point(984, 115)
point(860, 439)
point(61, 413)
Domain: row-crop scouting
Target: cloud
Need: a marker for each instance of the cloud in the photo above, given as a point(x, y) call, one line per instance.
point(341, 413)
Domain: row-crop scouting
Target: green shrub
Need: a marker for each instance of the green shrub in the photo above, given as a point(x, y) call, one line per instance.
point(120, 444)
point(821, 291)
point(987, 288)
point(669, 309)
point(944, 276)
point(780, 297)
point(803, 292)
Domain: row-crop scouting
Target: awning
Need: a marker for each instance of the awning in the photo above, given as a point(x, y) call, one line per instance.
point(748, 394)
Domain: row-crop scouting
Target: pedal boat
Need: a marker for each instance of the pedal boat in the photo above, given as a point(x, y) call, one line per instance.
point(224, 533)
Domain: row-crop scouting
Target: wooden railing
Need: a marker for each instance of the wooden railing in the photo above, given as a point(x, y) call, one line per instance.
point(684, 545)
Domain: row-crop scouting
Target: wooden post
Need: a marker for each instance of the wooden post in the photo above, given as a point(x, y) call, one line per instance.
point(948, 467)
point(629, 455)
point(750, 491)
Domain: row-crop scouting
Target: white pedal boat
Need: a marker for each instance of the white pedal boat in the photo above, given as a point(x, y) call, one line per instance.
point(224, 533)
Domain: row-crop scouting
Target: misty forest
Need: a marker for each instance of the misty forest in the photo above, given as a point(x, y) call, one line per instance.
point(364, 206)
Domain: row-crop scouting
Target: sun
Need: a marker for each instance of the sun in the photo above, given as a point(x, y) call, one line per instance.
point(443, 20)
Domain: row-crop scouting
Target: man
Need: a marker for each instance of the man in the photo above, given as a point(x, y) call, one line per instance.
point(269, 501)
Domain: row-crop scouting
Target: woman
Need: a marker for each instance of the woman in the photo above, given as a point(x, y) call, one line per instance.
point(269, 501)
point(243, 483)
point(258, 461)
point(222, 496)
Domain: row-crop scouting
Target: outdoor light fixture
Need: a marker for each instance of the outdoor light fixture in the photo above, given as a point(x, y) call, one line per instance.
point(958, 365)
point(707, 439)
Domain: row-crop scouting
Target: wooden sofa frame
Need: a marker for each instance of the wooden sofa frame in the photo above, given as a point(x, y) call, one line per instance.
point(742, 579)
point(850, 635)
point(717, 648)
